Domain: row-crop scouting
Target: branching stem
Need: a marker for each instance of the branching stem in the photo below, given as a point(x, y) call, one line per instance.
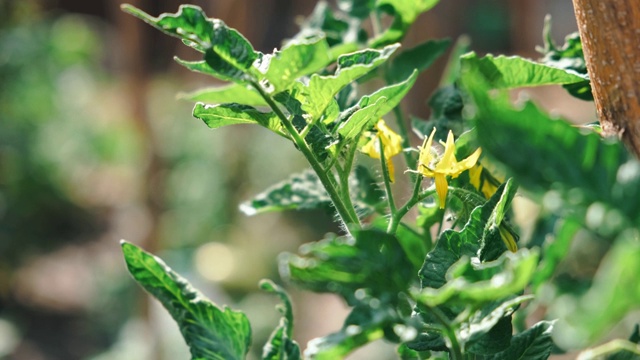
point(347, 215)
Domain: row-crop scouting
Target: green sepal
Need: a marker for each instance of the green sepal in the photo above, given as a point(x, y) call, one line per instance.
point(210, 332)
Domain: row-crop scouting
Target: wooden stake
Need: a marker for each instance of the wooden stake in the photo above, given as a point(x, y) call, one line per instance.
point(610, 32)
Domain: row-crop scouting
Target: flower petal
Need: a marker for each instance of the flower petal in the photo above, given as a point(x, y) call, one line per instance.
point(426, 156)
point(442, 187)
point(448, 162)
point(469, 162)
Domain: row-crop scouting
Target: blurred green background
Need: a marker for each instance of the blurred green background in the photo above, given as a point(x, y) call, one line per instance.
point(95, 147)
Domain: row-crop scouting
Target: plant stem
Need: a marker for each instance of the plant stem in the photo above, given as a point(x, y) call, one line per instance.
point(348, 216)
point(402, 128)
point(344, 177)
point(455, 348)
point(387, 179)
point(415, 198)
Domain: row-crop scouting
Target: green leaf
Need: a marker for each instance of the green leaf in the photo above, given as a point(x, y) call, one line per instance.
point(469, 283)
point(226, 94)
point(446, 114)
point(622, 350)
point(555, 251)
point(357, 8)
point(392, 93)
point(223, 46)
point(576, 173)
point(343, 35)
point(280, 345)
point(419, 57)
point(583, 319)
point(453, 245)
point(299, 57)
point(372, 262)
point(569, 57)
point(361, 120)
point(216, 116)
point(305, 191)
point(489, 329)
point(224, 73)
point(504, 72)
point(405, 13)
point(210, 332)
point(340, 344)
point(533, 344)
point(299, 192)
point(318, 94)
point(492, 244)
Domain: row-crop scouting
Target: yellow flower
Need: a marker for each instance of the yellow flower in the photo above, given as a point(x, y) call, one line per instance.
point(481, 181)
point(439, 168)
point(391, 145)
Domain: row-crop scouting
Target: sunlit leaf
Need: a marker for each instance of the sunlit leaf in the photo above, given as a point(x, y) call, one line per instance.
point(211, 332)
point(226, 94)
point(223, 46)
point(298, 58)
point(321, 89)
point(216, 116)
point(280, 345)
point(511, 72)
point(405, 13)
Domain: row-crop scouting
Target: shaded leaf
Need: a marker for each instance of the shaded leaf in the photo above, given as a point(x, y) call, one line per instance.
point(418, 58)
point(590, 178)
point(372, 261)
point(533, 344)
point(615, 288)
point(210, 332)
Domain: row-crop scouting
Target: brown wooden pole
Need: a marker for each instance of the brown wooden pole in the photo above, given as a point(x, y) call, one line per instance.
point(610, 32)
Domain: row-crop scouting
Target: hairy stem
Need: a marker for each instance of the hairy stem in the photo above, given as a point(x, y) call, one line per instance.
point(415, 198)
point(348, 216)
point(387, 179)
